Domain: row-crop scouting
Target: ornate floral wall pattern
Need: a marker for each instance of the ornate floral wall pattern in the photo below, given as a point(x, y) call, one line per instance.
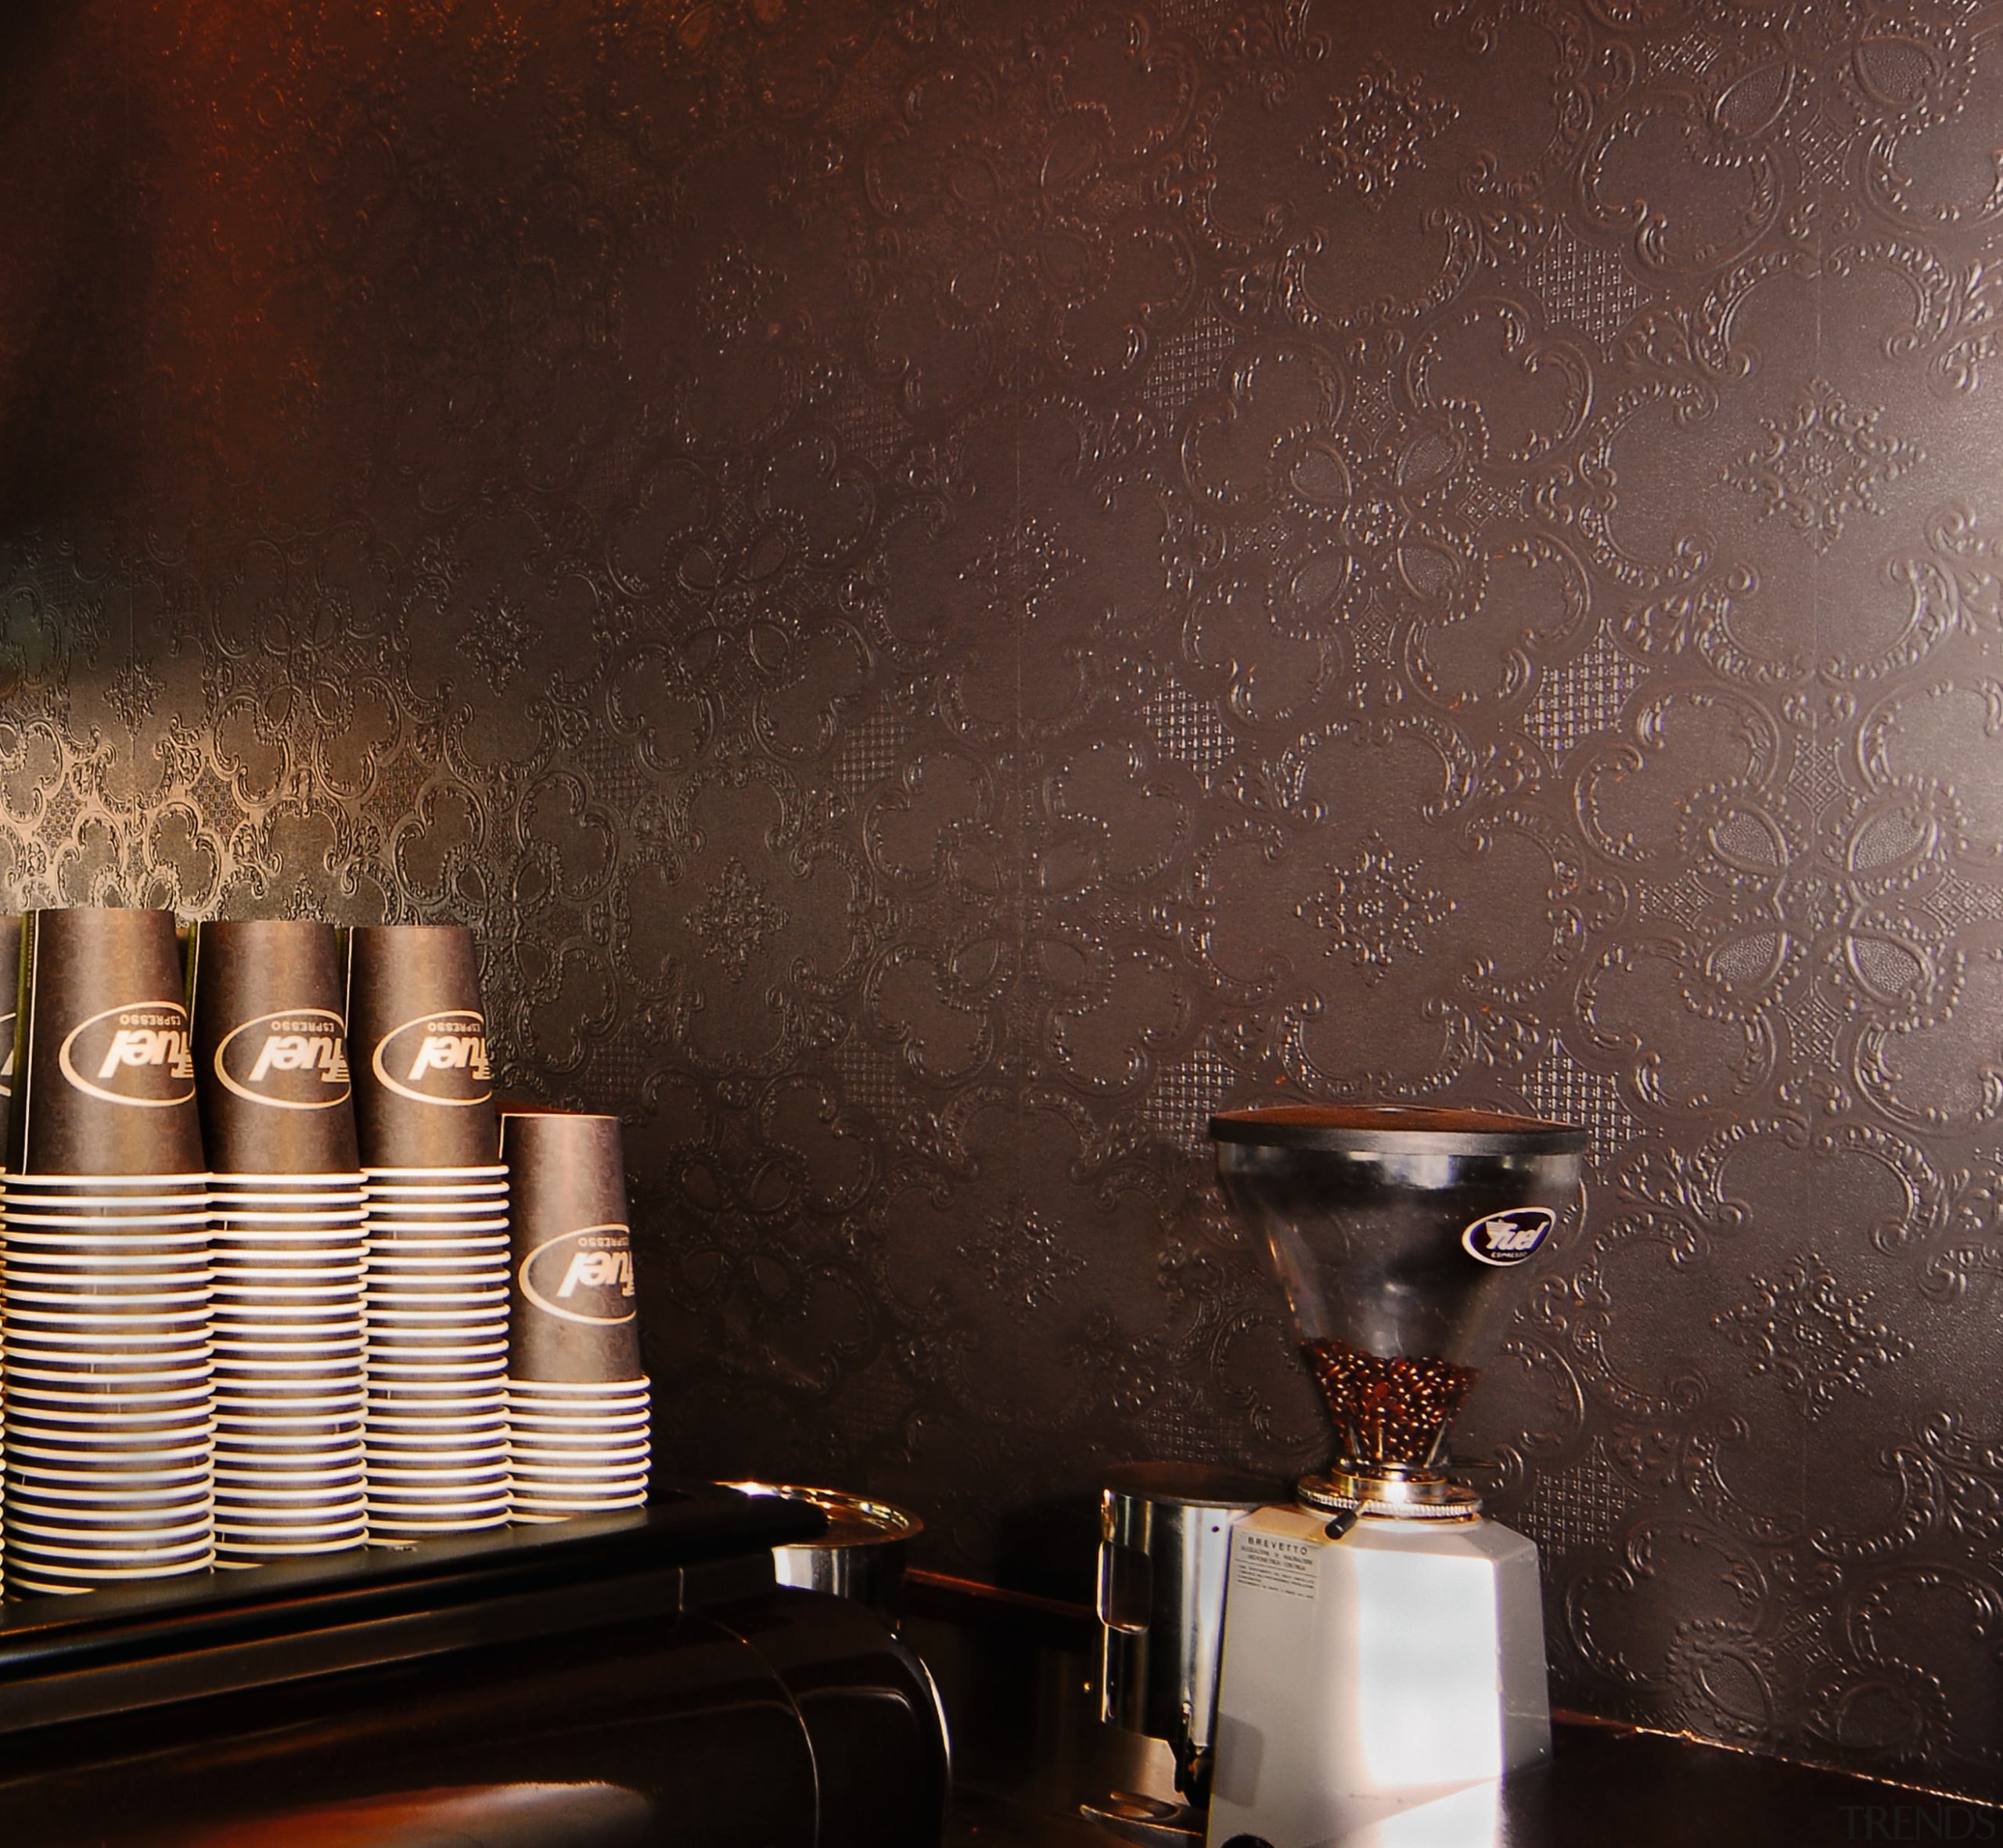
point(951, 586)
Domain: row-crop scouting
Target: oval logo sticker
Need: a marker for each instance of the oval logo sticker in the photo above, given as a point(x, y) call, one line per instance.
point(583, 1276)
point(437, 1059)
point(7, 1069)
point(296, 1060)
point(1508, 1238)
point(137, 1054)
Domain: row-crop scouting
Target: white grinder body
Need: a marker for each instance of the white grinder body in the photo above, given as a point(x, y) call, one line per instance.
point(1374, 1688)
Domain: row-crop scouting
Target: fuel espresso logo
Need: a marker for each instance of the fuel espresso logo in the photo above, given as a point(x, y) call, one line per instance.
point(1508, 1238)
point(437, 1059)
point(583, 1276)
point(138, 1054)
point(296, 1060)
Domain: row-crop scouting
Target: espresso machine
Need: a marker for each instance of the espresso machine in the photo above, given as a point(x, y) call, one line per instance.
point(1383, 1659)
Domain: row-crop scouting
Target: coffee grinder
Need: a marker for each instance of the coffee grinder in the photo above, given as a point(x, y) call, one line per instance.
point(1383, 1644)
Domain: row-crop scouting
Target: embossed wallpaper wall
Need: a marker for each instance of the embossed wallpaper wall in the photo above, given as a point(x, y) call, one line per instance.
point(950, 586)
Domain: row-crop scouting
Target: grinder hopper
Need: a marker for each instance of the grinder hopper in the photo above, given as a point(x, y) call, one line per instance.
point(1389, 1228)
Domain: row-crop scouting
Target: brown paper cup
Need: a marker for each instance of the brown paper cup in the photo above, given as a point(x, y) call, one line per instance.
point(575, 1312)
point(271, 1048)
point(106, 1068)
point(423, 1086)
point(10, 990)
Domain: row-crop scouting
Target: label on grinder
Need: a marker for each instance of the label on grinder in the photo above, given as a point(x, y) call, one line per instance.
point(1272, 1563)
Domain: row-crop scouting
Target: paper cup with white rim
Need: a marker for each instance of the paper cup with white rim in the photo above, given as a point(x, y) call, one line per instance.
point(53, 1284)
point(36, 1223)
point(464, 1415)
point(577, 1399)
point(34, 1568)
point(77, 1441)
point(397, 1249)
point(301, 1259)
point(245, 1212)
point(274, 1498)
point(385, 1530)
point(77, 1489)
point(420, 1451)
point(328, 1464)
point(581, 1498)
point(531, 1511)
point(557, 1417)
point(246, 1531)
point(257, 1448)
point(169, 1532)
point(104, 1065)
point(118, 1187)
point(341, 1509)
point(434, 1491)
point(268, 1002)
point(423, 1082)
point(391, 1496)
point(445, 1369)
point(296, 1495)
point(453, 1349)
point(495, 1198)
point(467, 1406)
point(576, 1310)
point(249, 1439)
point(488, 1175)
point(435, 1432)
point(568, 1439)
point(305, 1405)
point(58, 1519)
point(10, 986)
point(239, 1302)
point(548, 1483)
point(147, 1431)
point(460, 1284)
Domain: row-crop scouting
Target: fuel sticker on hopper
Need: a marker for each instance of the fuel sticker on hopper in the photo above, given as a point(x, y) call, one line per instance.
point(583, 1276)
point(1508, 1238)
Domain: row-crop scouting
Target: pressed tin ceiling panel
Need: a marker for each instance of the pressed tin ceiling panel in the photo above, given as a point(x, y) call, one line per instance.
point(950, 588)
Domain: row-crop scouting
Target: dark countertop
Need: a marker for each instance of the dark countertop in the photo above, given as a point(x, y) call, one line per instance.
point(1015, 1674)
point(1605, 1788)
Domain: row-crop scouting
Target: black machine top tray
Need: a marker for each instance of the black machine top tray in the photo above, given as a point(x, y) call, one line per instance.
point(64, 1659)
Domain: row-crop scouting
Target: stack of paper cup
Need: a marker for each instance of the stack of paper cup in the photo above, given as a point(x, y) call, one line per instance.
point(270, 1057)
point(104, 1263)
point(436, 1425)
point(10, 970)
point(577, 1402)
point(10, 967)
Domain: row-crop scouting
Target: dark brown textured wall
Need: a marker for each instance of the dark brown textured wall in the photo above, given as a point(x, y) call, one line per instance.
point(949, 587)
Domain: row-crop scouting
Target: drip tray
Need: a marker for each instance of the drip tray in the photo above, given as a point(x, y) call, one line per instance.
point(117, 1652)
